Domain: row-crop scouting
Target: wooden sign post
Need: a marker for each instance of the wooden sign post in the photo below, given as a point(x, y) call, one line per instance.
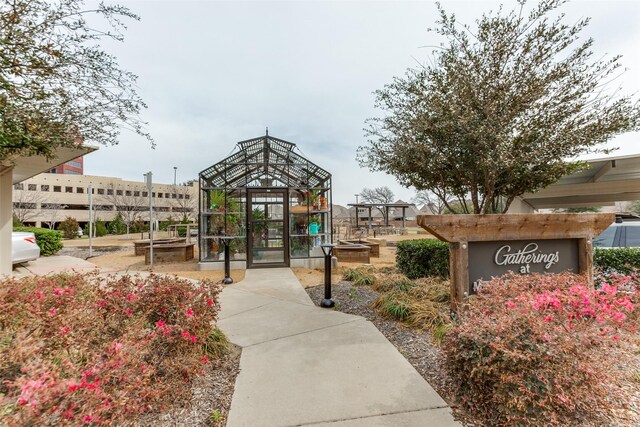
point(486, 246)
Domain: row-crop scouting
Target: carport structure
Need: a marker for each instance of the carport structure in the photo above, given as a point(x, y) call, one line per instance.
point(269, 203)
point(17, 169)
point(604, 182)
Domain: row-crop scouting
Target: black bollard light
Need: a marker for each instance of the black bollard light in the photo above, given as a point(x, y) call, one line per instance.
point(227, 261)
point(327, 302)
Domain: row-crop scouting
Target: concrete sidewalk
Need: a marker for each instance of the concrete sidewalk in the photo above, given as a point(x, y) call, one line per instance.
point(303, 365)
point(53, 264)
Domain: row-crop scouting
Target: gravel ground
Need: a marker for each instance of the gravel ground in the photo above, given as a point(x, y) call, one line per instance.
point(83, 253)
point(417, 347)
point(211, 397)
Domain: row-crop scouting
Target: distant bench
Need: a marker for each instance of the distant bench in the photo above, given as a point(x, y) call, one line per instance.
point(140, 245)
point(374, 248)
point(172, 252)
point(352, 253)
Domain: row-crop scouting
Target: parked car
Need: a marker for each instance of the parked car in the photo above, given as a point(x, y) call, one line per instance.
point(24, 247)
point(619, 235)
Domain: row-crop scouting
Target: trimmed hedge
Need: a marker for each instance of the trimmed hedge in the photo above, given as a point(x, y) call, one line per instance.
point(49, 241)
point(423, 258)
point(622, 260)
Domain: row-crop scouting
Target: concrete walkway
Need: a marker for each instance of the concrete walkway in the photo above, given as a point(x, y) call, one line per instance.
point(303, 365)
point(53, 264)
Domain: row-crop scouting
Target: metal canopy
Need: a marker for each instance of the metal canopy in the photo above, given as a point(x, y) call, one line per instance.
point(264, 162)
point(603, 182)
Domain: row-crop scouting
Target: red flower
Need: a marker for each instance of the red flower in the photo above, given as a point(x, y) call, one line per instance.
point(189, 313)
point(52, 312)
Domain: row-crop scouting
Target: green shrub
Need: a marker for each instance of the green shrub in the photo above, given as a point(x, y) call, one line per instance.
point(534, 350)
point(423, 258)
point(117, 225)
point(49, 241)
point(99, 229)
point(69, 228)
point(81, 349)
point(622, 260)
point(138, 226)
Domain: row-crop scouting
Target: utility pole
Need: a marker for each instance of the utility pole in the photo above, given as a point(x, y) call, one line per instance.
point(149, 183)
point(175, 171)
point(90, 191)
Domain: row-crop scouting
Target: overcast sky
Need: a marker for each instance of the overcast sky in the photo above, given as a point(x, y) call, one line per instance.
point(214, 73)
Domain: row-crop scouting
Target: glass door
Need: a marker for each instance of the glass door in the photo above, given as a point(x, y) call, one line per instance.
point(268, 232)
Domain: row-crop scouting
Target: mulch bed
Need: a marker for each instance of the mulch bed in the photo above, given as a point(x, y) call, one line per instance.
point(211, 396)
point(417, 347)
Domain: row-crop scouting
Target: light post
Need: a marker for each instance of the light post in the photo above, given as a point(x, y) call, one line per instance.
point(175, 171)
point(327, 249)
point(227, 262)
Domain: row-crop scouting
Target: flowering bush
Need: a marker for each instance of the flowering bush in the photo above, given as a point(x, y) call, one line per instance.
point(89, 349)
point(531, 350)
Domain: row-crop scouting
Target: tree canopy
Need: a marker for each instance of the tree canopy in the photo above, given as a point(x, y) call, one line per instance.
point(499, 109)
point(58, 87)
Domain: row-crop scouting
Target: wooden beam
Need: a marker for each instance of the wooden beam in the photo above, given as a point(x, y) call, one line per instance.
point(459, 272)
point(478, 228)
point(603, 170)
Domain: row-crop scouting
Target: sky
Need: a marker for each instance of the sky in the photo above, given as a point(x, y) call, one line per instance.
point(214, 73)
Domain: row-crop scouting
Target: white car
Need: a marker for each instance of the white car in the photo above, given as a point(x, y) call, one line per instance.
point(24, 247)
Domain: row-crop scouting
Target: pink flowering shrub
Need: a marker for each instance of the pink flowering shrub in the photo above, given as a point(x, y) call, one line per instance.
point(533, 350)
point(83, 349)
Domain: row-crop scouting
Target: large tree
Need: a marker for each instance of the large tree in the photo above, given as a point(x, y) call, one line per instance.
point(499, 110)
point(434, 203)
point(182, 201)
point(58, 87)
point(125, 202)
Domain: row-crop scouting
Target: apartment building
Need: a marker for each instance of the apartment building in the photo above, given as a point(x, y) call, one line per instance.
point(46, 199)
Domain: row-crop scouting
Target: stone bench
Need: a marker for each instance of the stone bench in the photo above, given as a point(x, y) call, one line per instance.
point(140, 245)
point(352, 253)
point(173, 252)
point(374, 248)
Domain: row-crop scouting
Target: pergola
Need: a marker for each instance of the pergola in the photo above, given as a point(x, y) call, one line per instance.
point(383, 207)
point(271, 204)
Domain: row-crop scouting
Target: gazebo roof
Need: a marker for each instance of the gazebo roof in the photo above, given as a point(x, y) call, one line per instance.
point(264, 161)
